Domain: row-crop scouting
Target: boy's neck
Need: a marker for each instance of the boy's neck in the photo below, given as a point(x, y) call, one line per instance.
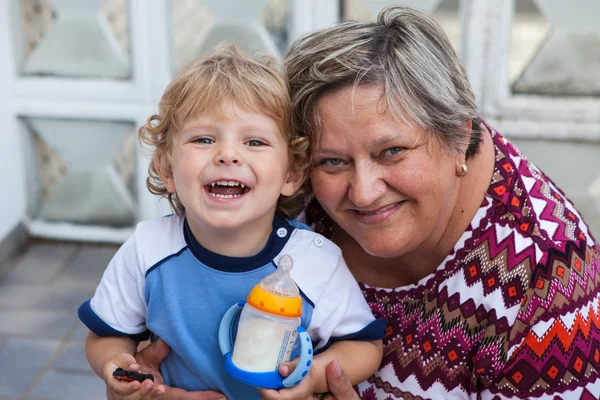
point(239, 242)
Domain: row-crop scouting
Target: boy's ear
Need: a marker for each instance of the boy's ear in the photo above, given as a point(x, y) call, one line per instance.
point(293, 182)
point(163, 169)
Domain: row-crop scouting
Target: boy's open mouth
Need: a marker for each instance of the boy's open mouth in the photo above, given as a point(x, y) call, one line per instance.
point(227, 189)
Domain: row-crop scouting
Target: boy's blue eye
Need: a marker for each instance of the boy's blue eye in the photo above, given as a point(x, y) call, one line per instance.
point(255, 142)
point(392, 151)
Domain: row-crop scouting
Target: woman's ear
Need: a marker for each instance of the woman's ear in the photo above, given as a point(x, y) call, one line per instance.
point(469, 125)
point(468, 132)
point(162, 166)
point(293, 182)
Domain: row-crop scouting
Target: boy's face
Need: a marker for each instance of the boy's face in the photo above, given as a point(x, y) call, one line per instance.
point(229, 171)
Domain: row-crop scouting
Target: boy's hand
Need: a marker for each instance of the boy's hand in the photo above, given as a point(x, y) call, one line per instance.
point(301, 391)
point(120, 390)
point(150, 357)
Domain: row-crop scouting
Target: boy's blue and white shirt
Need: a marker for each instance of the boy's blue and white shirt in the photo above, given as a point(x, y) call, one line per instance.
point(163, 283)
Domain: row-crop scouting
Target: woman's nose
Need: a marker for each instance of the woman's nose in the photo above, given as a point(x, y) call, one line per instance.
point(366, 187)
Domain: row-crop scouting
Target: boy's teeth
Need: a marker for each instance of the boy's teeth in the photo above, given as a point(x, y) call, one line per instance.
point(228, 183)
point(225, 196)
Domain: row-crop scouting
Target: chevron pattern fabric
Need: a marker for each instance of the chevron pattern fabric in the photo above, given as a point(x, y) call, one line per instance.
point(513, 312)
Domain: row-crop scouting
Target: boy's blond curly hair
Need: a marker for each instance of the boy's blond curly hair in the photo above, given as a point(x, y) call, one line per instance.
point(225, 74)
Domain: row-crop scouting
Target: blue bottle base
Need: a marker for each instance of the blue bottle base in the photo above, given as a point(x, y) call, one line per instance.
point(267, 380)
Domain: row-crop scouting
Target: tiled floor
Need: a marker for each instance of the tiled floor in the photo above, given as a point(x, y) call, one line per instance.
point(41, 339)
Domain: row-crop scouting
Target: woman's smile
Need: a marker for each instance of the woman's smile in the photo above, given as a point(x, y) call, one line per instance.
point(377, 216)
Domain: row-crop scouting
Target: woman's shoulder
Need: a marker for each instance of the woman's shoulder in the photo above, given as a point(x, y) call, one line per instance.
point(539, 233)
point(544, 241)
point(526, 200)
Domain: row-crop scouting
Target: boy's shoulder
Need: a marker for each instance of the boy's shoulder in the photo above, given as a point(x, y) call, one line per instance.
point(156, 239)
point(308, 243)
point(163, 224)
point(316, 259)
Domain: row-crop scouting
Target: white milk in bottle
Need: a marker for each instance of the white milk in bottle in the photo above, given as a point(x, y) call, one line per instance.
point(267, 329)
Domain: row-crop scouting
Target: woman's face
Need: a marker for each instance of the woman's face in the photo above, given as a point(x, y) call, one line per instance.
point(386, 183)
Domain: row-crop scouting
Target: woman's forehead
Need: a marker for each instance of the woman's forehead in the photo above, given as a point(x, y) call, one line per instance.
point(353, 98)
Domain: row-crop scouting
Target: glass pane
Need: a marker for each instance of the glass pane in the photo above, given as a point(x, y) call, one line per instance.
point(82, 39)
point(81, 171)
point(445, 12)
point(577, 173)
point(198, 25)
point(556, 48)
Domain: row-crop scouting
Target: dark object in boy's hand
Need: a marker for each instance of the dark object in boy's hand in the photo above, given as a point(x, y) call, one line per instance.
point(129, 376)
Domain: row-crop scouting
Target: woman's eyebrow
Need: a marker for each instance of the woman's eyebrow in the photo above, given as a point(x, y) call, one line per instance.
point(325, 150)
point(377, 142)
point(382, 141)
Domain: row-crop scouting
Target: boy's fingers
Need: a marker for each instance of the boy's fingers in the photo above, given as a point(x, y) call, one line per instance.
point(286, 368)
point(267, 394)
point(125, 388)
point(300, 391)
point(158, 391)
point(132, 366)
point(145, 387)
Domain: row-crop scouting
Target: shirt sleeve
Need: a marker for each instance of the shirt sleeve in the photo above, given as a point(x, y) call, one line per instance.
point(342, 312)
point(118, 307)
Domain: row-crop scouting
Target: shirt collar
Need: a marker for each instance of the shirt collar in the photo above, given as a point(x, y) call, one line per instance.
point(280, 234)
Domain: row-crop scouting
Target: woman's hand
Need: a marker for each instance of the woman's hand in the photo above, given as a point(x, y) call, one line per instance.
point(148, 361)
point(340, 387)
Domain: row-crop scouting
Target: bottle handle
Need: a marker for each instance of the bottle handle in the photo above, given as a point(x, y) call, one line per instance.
point(305, 361)
point(225, 327)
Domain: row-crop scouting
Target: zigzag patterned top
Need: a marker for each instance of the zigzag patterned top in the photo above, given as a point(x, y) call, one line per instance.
point(511, 313)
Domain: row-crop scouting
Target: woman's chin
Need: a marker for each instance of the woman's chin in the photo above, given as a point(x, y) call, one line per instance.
point(383, 247)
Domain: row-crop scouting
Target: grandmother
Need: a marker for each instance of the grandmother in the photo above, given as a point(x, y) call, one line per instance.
point(486, 272)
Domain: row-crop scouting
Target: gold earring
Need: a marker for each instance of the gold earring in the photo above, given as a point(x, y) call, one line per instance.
point(463, 170)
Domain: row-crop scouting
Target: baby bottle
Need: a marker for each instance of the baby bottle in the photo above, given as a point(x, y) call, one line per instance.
point(268, 327)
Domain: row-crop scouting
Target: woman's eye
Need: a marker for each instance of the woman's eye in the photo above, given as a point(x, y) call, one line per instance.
point(333, 161)
point(392, 151)
point(255, 142)
point(204, 140)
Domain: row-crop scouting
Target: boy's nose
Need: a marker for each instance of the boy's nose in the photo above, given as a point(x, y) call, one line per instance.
point(223, 160)
point(227, 155)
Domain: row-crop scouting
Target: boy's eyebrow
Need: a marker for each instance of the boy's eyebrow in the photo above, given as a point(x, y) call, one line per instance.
point(212, 125)
point(251, 129)
point(198, 125)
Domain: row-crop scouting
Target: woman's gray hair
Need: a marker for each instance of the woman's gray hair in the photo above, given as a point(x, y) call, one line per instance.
point(404, 52)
